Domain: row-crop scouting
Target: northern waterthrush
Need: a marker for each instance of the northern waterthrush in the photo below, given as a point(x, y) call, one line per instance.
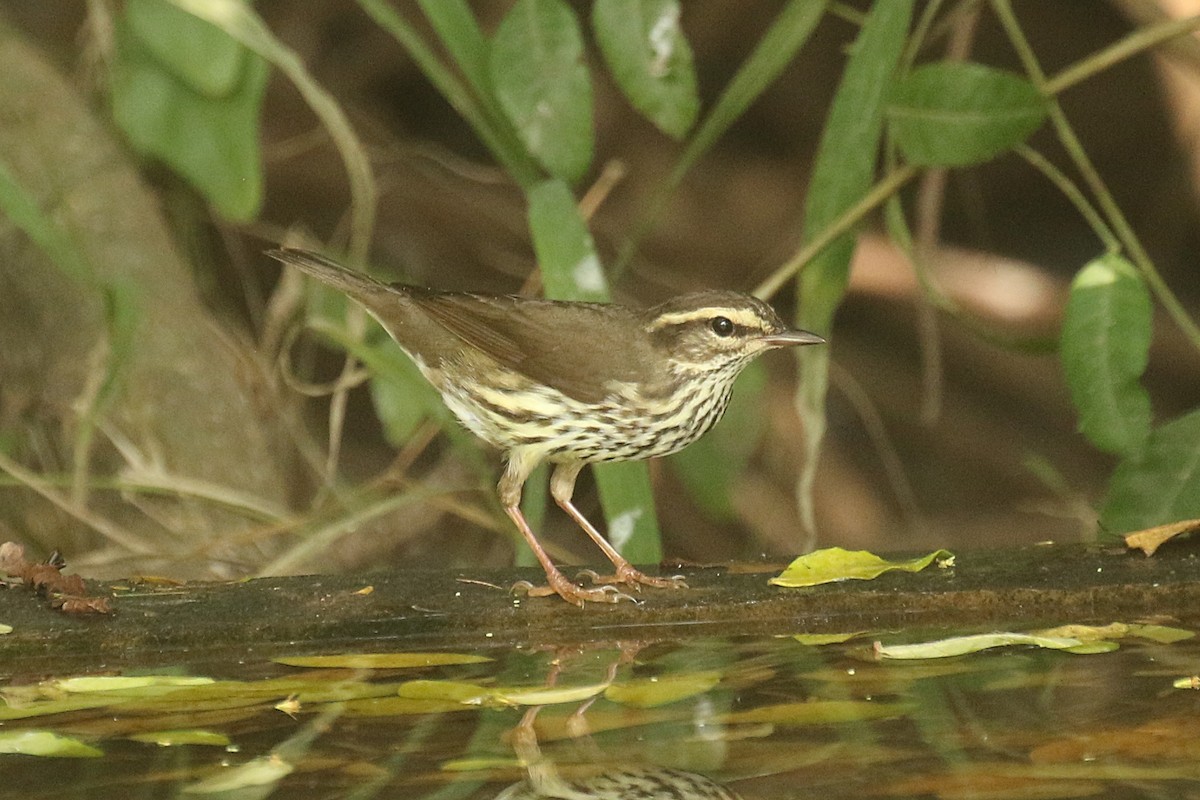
point(571, 383)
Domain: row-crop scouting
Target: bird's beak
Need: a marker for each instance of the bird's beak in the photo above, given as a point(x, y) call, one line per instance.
point(789, 338)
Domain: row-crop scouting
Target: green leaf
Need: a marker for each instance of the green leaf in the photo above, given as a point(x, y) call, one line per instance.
point(1160, 484)
point(842, 174)
point(402, 397)
point(650, 60)
point(963, 645)
point(951, 115)
point(197, 53)
point(628, 503)
point(571, 271)
point(542, 84)
point(835, 564)
point(380, 660)
point(45, 743)
point(176, 738)
point(212, 141)
point(662, 690)
point(709, 466)
point(817, 712)
point(1104, 349)
point(565, 251)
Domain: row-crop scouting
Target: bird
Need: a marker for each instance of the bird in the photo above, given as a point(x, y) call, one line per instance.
point(570, 383)
point(623, 783)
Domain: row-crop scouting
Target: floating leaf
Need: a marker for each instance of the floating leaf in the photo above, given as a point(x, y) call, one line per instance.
point(1160, 484)
point(955, 114)
point(45, 743)
point(381, 660)
point(650, 60)
point(817, 712)
point(1119, 630)
point(962, 645)
point(453, 691)
point(542, 84)
point(5, 629)
point(401, 706)
point(549, 695)
point(818, 639)
point(126, 683)
point(1190, 682)
point(183, 737)
point(660, 691)
point(1105, 345)
point(835, 564)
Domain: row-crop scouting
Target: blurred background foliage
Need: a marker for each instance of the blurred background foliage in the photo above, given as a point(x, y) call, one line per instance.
point(169, 402)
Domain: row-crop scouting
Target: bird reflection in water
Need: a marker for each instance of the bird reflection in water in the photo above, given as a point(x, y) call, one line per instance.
point(642, 782)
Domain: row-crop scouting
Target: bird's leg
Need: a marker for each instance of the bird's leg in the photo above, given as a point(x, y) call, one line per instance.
point(562, 487)
point(511, 482)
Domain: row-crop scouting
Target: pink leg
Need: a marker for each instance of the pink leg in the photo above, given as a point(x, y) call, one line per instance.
point(562, 487)
point(511, 482)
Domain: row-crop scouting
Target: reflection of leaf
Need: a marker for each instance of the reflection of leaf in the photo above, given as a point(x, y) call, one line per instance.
point(659, 691)
point(817, 712)
point(836, 564)
point(381, 660)
point(962, 645)
point(265, 771)
point(182, 737)
point(1118, 630)
point(45, 743)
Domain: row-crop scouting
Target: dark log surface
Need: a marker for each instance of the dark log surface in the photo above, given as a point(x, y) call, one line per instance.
point(422, 610)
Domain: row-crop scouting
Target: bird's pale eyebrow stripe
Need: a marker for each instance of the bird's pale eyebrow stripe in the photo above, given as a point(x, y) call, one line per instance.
point(738, 316)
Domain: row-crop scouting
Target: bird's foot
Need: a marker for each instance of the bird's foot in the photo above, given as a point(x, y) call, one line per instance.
point(572, 593)
point(632, 576)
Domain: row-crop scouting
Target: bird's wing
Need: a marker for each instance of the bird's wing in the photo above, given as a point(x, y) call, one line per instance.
point(547, 341)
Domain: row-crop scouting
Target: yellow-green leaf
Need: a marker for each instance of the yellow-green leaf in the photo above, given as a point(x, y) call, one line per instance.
point(5, 629)
point(818, 639)
point(259, 772)
point(817, 712)
point(453, 691)
point(548, 695)
point(126, 683)
point(380, 660)
point(962, 645)
point(45, 743)
point(659, 691)
point(835, 564)
point(181, 737)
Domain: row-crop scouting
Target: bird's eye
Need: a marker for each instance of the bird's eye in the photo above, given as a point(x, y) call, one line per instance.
point(722, 326)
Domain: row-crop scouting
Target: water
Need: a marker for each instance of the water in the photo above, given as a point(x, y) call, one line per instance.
point(765, 718)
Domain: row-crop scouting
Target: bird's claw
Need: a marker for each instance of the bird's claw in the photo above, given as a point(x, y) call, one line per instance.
point(633, 578)
point(572, 593)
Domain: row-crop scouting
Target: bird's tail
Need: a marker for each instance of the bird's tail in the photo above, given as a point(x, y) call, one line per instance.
point(358, 285)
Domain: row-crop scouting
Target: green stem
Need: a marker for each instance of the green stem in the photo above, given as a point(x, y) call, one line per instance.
point(1137, 42)
point(1091, 177)
point(882, 190)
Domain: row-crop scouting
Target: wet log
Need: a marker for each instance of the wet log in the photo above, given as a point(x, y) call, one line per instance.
point(438, 610)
